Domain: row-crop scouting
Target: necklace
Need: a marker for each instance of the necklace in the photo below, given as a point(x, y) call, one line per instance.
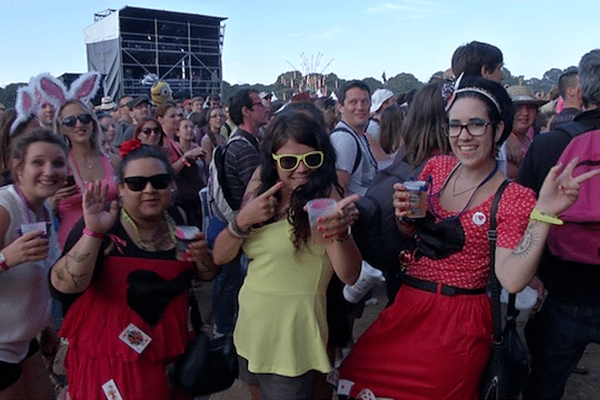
point(455, 193)
point(151, 244)
point(436, 194)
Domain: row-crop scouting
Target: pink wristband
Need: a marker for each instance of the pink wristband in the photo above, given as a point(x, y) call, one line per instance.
point(91, 233)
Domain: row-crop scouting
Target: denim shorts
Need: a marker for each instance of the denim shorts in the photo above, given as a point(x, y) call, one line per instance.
point(277, 387)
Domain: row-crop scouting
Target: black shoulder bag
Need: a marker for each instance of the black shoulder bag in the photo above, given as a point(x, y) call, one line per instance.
point(507, 369)
point(208, 365)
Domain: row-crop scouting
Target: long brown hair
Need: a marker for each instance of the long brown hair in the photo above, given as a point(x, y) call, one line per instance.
point(422, 130)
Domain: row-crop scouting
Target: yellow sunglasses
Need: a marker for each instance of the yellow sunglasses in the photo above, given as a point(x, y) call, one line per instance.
point(289, 162)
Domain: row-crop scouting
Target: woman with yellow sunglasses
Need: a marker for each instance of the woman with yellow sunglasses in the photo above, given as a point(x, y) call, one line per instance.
point(281, 331)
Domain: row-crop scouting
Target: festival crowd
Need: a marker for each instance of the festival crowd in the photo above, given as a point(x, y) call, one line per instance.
point(98, 268)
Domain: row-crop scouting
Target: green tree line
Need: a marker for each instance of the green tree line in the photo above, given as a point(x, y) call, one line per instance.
point(291, 82)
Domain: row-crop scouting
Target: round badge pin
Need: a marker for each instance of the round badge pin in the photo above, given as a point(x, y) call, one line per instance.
point(479, 218)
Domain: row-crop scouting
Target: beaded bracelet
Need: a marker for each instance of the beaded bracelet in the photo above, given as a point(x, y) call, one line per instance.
point(92, 233)
point(185, 161)
point(236, 231)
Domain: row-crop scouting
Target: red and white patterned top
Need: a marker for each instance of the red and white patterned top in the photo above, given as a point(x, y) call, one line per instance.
point(470, 267)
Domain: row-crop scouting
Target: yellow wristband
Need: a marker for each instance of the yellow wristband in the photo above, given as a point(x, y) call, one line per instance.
point(544, 218)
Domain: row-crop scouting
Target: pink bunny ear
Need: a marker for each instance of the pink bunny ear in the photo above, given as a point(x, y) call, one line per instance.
point(25, 107)
point(51, 89)
point(85, 87)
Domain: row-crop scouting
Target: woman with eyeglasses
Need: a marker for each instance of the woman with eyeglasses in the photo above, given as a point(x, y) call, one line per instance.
point(434, 341)
point(211, 132)
point(281, 330)
point(75, 123)
point(29, 248)
point(124, 287)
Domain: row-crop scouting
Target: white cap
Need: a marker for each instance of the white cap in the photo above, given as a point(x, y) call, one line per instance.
point(379, 97)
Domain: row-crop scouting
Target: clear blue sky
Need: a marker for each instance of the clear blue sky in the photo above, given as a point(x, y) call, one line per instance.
point(363, 38)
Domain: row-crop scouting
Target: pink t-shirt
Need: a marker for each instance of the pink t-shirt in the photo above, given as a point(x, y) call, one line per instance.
point(69, 208)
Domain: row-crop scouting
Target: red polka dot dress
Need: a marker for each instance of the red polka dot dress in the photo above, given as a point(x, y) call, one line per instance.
point(432, 346)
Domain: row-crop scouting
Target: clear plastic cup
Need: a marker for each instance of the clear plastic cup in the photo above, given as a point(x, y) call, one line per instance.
point(185, 235)
point(316, 208)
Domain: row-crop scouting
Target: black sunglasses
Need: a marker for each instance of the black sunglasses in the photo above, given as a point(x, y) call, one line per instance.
point(72, 120)
point(138, 183)
point(147, 131)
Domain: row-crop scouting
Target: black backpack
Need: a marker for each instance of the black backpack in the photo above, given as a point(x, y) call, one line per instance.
point(375, 232)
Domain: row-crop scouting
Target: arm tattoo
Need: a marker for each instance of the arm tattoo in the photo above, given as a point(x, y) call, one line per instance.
point(529, 240)
point(65, 274)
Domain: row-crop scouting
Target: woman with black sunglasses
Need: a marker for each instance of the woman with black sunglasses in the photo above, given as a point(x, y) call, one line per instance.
point(76, 124)
point(281, 332)
point(127, 317)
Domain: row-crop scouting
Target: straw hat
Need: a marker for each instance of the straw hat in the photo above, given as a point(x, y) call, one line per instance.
point(521, 94)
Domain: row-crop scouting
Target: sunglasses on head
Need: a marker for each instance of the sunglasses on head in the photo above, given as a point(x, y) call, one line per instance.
point(138, 183)
point(289, 162)
point(72, 120)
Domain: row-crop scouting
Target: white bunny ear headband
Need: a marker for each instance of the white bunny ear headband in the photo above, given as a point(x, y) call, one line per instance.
point(45, 88)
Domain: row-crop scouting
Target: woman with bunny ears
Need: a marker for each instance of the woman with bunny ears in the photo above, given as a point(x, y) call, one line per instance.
point(79, 128)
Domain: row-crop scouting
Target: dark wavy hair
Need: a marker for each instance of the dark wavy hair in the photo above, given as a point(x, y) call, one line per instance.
point(304, 129)
point(507, 108)
point(143, 152)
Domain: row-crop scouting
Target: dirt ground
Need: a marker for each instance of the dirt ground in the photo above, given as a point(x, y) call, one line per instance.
point(579, 386)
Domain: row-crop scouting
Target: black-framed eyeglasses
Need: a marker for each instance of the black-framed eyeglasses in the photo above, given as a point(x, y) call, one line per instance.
point(148, 131)
point(474, 128)
point(72, 120)
point(289, 162)
point(138, 183)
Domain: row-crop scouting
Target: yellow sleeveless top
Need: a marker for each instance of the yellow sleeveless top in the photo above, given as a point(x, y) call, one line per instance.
point(282, 325)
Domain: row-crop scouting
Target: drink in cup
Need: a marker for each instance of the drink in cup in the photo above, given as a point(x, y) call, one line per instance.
point(316, 208)
point(185, 235)
point(417, 198)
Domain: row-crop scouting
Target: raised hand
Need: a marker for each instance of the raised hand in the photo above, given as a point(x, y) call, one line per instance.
point(96, 218)
point(337, 223)
point(196, 153)
point(560, 188)
point(259, 209)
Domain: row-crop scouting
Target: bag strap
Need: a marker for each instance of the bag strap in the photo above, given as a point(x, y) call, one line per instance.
point(494, 283)
point(195, 315)
point(358, 150)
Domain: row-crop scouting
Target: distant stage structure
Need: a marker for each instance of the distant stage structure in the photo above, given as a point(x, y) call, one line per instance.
point(181, 49)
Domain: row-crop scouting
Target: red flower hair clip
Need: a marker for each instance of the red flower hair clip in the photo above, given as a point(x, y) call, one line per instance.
point(128, 146)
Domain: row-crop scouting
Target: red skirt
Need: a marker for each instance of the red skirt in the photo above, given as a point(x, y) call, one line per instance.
point(96, 319)
point(424, 346)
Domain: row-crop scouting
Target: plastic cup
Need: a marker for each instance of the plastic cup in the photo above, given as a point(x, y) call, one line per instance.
point(316, 208)
point(368, 277)
point(417, 198)
point(185, 235)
